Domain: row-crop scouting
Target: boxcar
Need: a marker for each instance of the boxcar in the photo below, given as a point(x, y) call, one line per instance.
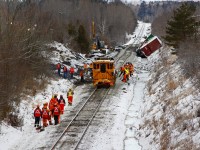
point(149, 47)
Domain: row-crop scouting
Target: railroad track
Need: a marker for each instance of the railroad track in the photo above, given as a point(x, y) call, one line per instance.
point(71, 136)
point(139, 36)
point(129, 47)
point(77, 127)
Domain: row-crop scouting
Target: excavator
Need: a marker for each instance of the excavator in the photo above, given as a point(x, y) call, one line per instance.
point(96, 43)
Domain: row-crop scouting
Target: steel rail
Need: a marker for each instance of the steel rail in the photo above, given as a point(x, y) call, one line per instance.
point(62, 134)
point(91, 119)
point(136, 39)
point(85, 130)
point(140, 34)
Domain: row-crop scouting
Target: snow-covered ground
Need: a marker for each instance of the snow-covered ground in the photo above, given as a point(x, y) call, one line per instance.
point(157, 110)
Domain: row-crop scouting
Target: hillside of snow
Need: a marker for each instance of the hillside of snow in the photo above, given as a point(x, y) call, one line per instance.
point(170, 113)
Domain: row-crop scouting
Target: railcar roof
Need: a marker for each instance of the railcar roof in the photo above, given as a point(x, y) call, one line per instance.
point(103, 61)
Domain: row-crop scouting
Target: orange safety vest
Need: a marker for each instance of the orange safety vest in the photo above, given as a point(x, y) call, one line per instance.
point(122, 68)
point(81, 73)
point(62, 102)
point(45, 113)
point(65, 69)
point(56, 111)
point(71, 70)
point(37, 112)
point(85, 66)
point(58, 66)
point(51, 103)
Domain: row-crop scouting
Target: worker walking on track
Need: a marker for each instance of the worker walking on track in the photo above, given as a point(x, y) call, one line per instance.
point(70, 94)
point(45, 115)
point(126, 75)
point(121, 70)
point(61, 102)
point(37, 115)
point(56, 113)
point(53, 100)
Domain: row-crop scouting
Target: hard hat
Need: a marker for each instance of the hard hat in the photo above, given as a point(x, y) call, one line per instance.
point(46, 103)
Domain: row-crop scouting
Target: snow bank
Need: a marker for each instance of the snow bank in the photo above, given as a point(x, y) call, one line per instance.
point(170, 109)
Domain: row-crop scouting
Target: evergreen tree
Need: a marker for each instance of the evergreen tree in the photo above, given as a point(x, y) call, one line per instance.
point(142, 10)
point(71, 29)
point(181, 26)
point(82, 39)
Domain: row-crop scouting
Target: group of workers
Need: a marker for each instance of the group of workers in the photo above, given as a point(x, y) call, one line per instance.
point(70, 73)
point(126, 70)
point(53, 109)
point(65, 71)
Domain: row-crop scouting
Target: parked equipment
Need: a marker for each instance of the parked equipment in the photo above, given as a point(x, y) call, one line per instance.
point(103, 72)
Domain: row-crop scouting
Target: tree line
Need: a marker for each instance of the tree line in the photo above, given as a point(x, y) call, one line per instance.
point(180, 29)
point(27, 26)
point(147, 12)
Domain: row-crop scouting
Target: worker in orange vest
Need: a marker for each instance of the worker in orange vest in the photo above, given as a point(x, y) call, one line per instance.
point(58, 68)
point(121, 70)
point(126, 75)
point(71, 71)
point(131, 68)
point(82, 75)
point(70, 94)
point(37, 115)
point(53, 100)
point(85, 67)
point(64, 72)
point(56, 113)
point(45, 115)
point(62, 104)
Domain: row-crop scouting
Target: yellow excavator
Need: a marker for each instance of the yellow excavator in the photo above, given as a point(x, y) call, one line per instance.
point(94, 39)
point(96, 43)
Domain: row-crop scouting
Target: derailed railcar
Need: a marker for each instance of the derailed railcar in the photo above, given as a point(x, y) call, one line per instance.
point(150, 45)
point(103, 72)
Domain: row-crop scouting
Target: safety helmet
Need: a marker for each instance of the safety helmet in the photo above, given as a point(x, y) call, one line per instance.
point(46, 103)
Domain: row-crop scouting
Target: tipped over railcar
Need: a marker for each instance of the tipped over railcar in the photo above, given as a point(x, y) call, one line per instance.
point(150, 45)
